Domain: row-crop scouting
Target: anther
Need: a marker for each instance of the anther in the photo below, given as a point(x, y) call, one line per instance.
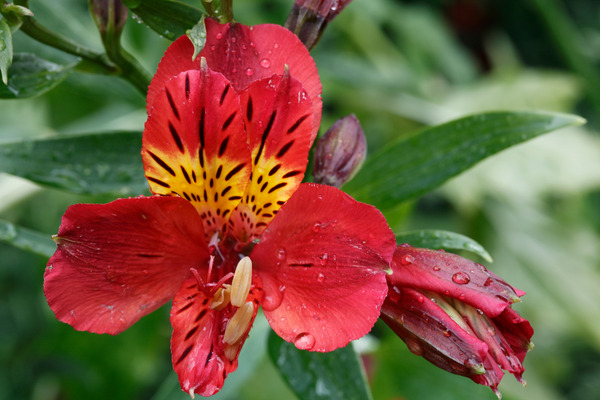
point(231, 351)
point(239, 323)
point(221, 298)
point(242, 280)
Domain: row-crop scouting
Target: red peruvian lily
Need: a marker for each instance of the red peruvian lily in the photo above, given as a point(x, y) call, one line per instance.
point(230, 227)
point(457, 315)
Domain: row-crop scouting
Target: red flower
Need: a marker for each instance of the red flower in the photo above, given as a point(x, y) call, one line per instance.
point(457, 315)
point(230, 227)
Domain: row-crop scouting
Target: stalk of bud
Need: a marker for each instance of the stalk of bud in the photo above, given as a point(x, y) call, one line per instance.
point(340, 153)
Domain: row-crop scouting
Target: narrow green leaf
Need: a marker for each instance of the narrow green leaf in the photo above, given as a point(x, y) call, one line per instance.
point(436, 239)
point(30, 76)
point(312, 375)
point(6, 49)
point(26, 239)
point(419, 163)
point(90, 164)
point(168, 18)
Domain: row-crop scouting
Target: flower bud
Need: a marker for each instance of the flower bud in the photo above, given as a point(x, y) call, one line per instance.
point(457, 315)
point(109, 15)
point(309, 18)
point(340, 153)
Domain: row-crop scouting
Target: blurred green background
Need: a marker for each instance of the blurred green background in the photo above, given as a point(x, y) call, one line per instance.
point(399, 66)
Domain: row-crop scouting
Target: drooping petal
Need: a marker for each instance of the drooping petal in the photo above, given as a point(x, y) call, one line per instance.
point(516, 330)
point(322, 262)
point(195, 146)
point(244, 54)
point(278, 118)
point(451, 275)
point(430, 332)
point(119, 261)
point(201, 358)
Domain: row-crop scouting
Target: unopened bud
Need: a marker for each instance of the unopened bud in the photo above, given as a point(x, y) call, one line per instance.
point(109, 15)
point(340, 153)
point(309, 18)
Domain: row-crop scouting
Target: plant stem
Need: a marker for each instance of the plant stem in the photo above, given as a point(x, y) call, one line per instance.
point(118, 62)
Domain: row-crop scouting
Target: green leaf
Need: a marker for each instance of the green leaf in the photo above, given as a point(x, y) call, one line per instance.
point(197, 36)
point(436, 239)
point(418, 163)
point(30, 76)
point(90, 164)
point(312, 375)
point(26, 239)
point(168, 18)
point(6, 49)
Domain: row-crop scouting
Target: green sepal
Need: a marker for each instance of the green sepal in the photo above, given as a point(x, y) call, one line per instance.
point(197, 36)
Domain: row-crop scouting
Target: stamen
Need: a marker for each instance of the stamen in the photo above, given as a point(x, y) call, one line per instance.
point(242, 280)
point(239, 323)
point(231, 351)
point(221, 298)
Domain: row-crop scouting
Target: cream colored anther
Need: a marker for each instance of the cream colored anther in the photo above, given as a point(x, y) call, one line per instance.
point(242, 279)
point(239, 323)
point(221, 299)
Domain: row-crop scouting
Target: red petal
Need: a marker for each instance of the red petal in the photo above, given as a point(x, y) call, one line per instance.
point(277, 114)
point(430, 332)
point(117, 262)
point(516, 330)
point(451, 275)
point(197, 346)
point(321, 261)
point(243, 54)
point(195, 146)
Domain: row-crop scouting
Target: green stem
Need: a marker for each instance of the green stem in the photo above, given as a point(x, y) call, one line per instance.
point(226, 11)
point(569, 41)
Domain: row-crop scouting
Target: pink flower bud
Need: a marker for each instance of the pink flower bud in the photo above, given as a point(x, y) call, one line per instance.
point(309, 18)
point(340, 153)
point(457, 315)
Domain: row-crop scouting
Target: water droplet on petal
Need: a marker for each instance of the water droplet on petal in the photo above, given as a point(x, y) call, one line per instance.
point(420, 299)
point(265, 63)
point(447, 333)
point(316, 227)
point(249, 72)
point(219, 35)
point(436, 268)
point(461, 278)
point(415, 347)
point(320, 278)
point(323, 259)
point(488, 282)
point(395, 294)
point(233, 40)
point(407, 259)
point(272, 300)
point(252, 45)
point(305, 341)
point(281, 253)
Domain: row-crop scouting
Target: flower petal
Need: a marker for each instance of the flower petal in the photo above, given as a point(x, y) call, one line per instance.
point(195, 146)
point(322, 262)
point(430, 332)
point(244, 54)
point(200, 357)
point(119, 261)
point(278, 118)
point(453, 276)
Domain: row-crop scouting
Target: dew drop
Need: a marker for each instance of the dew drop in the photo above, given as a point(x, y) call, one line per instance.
point(252, 45)
point(320, 278)
point(447, 333)
point(420, 299)
point(316, 227)
point(219, 35)
point(436, 268)
point(323, 259)
point(461, 278)
point(488, 282)
point(265, 63)
point(407, 259)
point(249, 72)
point(281, 253)
point(415, 347)
point(272, 300)
point(395, 294)
point(233, 40)
point(304, 341)
point(213, 47)
point(462, 296)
